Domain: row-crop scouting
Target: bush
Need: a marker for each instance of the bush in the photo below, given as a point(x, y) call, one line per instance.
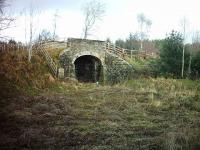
point(195, 66)
point(171, 55)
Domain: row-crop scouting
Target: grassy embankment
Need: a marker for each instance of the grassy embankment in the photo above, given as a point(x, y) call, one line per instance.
point(157, 113)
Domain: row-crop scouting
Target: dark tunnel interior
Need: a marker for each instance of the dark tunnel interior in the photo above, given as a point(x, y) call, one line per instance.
point(87, 68)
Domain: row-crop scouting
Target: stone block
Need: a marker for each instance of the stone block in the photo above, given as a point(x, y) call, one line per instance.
point(61, 73)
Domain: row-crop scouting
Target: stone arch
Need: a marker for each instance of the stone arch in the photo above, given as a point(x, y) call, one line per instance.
point(89, 53)
point(88, 68)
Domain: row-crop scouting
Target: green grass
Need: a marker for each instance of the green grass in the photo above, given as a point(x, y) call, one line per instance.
point(159, 113)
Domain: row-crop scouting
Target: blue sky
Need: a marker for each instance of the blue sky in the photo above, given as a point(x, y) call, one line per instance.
point(120, 18)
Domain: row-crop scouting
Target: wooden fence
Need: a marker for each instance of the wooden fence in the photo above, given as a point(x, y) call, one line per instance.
point(47, 45)
point(50, 62)
point(123, 53)
point(4, 47)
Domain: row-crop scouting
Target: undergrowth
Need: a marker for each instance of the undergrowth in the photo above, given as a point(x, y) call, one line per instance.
point(26, 76)
point(145, 113)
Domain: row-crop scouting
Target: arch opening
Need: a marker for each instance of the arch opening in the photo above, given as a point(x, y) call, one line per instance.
point(88, 68)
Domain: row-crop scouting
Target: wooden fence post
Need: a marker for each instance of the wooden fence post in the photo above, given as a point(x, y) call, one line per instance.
point(131, 54)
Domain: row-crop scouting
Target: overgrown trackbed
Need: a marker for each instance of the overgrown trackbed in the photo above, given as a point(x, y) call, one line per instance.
point(141, 114)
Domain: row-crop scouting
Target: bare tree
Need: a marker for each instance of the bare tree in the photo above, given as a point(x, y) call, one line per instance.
point(141, 20)
point(183, 24)
point(24, 12)
point(45, 35)
point(55, 24)
point(93, 12)
point(196, 37)
point(5, 21)
point(2, 4)
point(31, 33)
point(144, 24)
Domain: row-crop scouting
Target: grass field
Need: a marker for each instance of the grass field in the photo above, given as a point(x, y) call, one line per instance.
point(138, 114)
point(39, 112)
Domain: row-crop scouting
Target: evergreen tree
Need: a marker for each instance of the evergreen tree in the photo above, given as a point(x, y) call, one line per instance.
point(195, 67)
point(171, 54)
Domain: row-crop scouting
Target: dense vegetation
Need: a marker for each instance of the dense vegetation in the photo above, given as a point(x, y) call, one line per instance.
point(169, 61)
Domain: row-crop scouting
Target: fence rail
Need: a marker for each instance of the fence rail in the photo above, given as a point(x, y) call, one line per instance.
point(123, 53)
point(50, 62)
point(5, 47)
point(12, 47)
point(47, 45)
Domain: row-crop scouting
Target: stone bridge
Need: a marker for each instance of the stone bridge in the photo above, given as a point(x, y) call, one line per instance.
point(87, 60)
point(84, 60)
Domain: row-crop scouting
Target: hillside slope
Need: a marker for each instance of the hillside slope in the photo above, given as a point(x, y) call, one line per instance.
point(17, 72)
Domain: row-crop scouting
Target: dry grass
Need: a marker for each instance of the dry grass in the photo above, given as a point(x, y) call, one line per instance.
point(139, 114)
point(15, 69)
point(54, 53)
